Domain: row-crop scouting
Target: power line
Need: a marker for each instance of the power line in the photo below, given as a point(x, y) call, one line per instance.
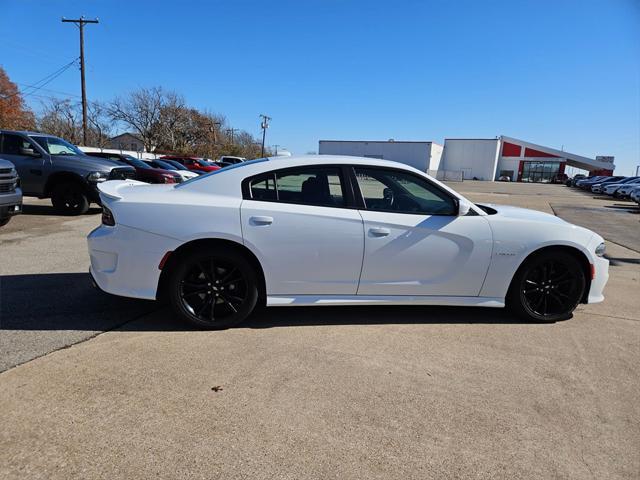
point(42, 82)
point(59, 92)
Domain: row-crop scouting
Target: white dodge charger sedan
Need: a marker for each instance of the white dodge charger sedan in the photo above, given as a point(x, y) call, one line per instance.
point(334, 230)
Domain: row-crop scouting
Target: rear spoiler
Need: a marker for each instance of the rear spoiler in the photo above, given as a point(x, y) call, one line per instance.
point(114, 189)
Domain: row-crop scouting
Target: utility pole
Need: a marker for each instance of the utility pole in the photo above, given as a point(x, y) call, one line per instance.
point(213, 130)
point(80, 23)
point(231, 131)
point(264, 125)
point(276, 146)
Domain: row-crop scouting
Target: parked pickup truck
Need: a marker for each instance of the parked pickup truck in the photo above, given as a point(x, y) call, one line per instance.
point(10, 192)
point(50, 167)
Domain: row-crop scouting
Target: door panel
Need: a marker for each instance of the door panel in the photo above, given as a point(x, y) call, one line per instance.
point(409, 254)
point(31, 170)
point(305, 249)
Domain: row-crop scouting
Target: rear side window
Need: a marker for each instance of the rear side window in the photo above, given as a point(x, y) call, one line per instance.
point(264, 188)
point(320, 186)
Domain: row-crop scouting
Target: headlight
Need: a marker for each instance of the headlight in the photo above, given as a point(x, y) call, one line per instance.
point(96, 177)
point(600, 249)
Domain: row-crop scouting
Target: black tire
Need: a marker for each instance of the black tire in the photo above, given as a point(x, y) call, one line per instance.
point(213, 290)
point(70, 198)
point(547, 287)
point(4, 221)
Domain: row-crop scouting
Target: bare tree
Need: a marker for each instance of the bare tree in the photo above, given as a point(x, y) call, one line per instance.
point(100, 125)
point(63, 118)
point(166, 124)
point(141, 110)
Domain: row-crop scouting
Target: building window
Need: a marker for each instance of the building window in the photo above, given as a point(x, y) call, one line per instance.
point(539, 172)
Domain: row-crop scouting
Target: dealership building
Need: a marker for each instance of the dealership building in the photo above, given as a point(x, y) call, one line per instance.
point(475, 158)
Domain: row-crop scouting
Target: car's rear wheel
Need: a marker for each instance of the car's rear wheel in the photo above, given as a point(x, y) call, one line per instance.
point(70, 198)
point(547, 287)
point(213, 290)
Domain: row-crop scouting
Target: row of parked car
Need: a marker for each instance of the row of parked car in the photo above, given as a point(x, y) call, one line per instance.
point(615, 186)
point(44, 166)
point(169, 168)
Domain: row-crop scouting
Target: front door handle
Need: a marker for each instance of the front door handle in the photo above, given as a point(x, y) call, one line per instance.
point(261, 220)
point(379, 232)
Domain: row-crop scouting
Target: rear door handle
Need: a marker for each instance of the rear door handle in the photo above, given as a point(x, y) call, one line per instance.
point(379, 231)
point(261, 220)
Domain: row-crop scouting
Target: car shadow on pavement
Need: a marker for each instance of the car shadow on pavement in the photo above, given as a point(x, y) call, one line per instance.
point(376, 315)
point(68, 301)
point(49, 210)
point(63, 301)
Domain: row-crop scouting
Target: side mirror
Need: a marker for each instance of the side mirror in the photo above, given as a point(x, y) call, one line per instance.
point(463, 207)
point(29, 152)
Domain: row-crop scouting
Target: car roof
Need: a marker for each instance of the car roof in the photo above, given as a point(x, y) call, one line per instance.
point(302, 160)
point(227, 180)
point(28, 133)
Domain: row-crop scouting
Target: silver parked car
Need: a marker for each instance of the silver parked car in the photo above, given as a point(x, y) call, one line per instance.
point(10, 192)
point(635, 195)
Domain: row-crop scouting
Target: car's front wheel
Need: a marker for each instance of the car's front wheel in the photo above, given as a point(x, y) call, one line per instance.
point(547, 287)
point(70, 198)
point(213, 290)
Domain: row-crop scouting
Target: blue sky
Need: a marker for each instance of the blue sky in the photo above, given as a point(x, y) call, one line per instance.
point(559, 72)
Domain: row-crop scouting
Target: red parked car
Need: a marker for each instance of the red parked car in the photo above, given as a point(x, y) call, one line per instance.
point(193, 163)
point(144, 172)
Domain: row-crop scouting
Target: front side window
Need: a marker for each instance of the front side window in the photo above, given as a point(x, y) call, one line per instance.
point(15, 144)
point(390, 190)
point(57, 146)
point(320, 186)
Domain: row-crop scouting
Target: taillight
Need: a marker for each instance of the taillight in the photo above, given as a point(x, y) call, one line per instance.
point(107, 217)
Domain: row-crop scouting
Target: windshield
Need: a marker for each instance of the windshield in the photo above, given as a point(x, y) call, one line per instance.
point(134, 162)
point(164, 164)
point(176, 165)
point(221, 170)
point(57, 146)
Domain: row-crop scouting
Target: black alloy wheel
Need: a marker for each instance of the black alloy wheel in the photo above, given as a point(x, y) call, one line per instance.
point(213, 291)
point(548, 287)
point(70, 199)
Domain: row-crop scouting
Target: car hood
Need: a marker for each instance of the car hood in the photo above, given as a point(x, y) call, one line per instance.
point(90, 163)
point(507, 211)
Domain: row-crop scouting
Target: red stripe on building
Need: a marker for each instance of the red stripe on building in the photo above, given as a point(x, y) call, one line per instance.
point(511, 150)
point(530, 152)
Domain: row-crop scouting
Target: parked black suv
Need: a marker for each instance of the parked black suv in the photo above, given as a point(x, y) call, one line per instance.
point(50, 167)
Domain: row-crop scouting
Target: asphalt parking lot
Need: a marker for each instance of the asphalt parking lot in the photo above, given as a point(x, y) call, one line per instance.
point(100, 387)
